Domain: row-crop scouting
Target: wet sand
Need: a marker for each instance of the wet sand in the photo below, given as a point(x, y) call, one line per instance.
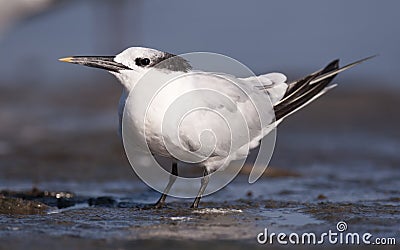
point(338, 159)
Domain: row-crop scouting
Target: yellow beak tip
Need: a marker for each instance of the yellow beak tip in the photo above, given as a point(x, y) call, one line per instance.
point(66, 59)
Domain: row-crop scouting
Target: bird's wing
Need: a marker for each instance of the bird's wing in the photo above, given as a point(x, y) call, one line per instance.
point(302, 92)
point(273, 83)
point(226, 112)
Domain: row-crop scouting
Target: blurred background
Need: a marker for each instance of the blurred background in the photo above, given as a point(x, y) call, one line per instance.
point(58, 122)
point(49, 109)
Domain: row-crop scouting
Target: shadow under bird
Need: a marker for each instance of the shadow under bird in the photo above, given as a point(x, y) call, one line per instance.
point(133, 63)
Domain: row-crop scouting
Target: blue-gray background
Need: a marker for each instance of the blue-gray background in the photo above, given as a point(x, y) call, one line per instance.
point(289, 36)
point(53, 113)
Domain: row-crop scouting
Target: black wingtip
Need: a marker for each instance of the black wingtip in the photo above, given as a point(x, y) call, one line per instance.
point(333, 64)
point(300, 92)
point(330, 67)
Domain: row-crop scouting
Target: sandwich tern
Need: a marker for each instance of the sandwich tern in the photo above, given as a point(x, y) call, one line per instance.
point(133, 63)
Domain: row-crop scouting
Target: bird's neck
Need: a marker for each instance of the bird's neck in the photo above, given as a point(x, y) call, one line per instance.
point(128, 81)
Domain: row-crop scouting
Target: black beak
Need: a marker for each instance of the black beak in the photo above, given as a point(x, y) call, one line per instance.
point(102, 62)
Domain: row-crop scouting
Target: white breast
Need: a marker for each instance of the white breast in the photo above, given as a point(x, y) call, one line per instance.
point(200, 116)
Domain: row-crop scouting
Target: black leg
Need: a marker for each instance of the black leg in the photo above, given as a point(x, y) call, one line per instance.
point(204, 182)
point(160, 203)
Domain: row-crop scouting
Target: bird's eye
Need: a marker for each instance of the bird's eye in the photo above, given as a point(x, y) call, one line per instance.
point(145, 61)
point(142, 61)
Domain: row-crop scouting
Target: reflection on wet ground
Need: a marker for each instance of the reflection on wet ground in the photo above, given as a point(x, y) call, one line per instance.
point(336, 160)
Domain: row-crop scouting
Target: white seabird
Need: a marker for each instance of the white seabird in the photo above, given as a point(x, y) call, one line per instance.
point(133, 63)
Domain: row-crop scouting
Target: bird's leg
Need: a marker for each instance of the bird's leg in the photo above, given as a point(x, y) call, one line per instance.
point(174, 174)
point(204, 182)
